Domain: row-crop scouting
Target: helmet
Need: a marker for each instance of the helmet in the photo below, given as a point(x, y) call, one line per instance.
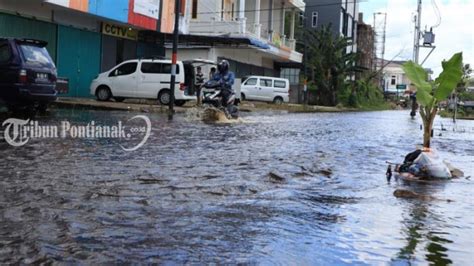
point(223, 66)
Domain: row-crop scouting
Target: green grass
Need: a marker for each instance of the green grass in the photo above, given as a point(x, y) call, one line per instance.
point(459, 115)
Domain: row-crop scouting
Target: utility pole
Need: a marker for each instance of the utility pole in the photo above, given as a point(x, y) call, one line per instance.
point(174, 59)
point(416, 46)
point(416, 53)
point(305, 62)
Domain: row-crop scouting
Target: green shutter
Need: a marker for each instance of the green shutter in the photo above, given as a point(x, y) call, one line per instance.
point(19, 27)
point(78, 58)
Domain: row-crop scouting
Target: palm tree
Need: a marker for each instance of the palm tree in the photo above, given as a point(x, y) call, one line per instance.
point(329, 63)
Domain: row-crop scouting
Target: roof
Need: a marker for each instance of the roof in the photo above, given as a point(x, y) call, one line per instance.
point(467, 103)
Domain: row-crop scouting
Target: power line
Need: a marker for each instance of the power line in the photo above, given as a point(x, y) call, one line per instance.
point(438, 13)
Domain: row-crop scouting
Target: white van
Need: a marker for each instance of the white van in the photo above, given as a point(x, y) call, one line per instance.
point(145, 78)
point(267, 89)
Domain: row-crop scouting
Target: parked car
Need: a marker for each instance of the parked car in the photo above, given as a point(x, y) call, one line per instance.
point(27, 74)
point(147, 79)
point(267, 89)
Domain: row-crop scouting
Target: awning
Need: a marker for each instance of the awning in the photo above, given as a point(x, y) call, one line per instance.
point(258, 43)
point(217, 41)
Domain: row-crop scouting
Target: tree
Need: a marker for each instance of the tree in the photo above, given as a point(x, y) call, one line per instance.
point(430, 93)
point(329, 63)
point(466, 75)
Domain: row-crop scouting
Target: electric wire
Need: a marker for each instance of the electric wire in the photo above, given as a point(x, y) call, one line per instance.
point(437, 12)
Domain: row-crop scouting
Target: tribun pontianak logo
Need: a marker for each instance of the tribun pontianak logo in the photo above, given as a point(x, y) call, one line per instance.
point(136, 130)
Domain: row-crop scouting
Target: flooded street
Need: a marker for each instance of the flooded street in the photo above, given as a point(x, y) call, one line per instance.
point(202, 193)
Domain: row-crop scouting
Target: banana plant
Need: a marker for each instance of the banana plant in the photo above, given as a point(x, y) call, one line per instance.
point(430, 93)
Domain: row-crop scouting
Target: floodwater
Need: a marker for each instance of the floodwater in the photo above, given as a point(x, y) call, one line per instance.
point(202, 193)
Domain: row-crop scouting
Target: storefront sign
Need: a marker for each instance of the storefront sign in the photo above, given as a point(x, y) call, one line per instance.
point(119, 31)
point(149, 8)
point(402, 87)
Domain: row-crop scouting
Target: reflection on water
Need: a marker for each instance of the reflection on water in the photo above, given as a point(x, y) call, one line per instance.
point(201, 192)
point(420, 225)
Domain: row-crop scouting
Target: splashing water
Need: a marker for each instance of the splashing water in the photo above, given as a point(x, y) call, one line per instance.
point(209, 115)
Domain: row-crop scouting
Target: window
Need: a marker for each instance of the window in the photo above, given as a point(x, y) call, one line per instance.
point(5, 53)
point(166, 69)
point(233, 11)
point(151, 68)
point(292, 74)
point(301, 19)
point(314, 20)
point(280, 84)
point(36, 55)
point(345, 26)
point(222, 9)
point(157, 68)
point(194, 13)
point(251, 82)
point(350, 24)
point(394, 80)
point(266, 82)
point(125, 69)
point(342, 20)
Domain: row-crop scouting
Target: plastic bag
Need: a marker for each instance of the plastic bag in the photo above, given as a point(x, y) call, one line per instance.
point(434, 166)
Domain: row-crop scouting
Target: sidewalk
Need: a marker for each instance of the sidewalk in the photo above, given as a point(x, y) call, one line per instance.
point(128, 105)
point(150, 106)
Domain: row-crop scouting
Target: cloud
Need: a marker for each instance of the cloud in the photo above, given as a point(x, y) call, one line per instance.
point(455, 34)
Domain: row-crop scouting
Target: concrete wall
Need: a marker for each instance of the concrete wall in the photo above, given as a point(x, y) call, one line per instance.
point(329, 12)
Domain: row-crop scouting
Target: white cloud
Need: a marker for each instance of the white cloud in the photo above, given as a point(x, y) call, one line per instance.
point(455, 33)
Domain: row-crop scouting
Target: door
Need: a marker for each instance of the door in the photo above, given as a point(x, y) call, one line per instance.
point(150, 80)
point(124, 80)
point(250, 89)
point(78, 59)
point(265, 91)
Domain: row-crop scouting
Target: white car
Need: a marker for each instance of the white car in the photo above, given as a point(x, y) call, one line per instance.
point(144, 78)
point(267, 89)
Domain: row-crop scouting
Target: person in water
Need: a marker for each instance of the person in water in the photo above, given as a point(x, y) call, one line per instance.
point(226, 78)
point(198, 83)
point(212, 73)
point(410, 166)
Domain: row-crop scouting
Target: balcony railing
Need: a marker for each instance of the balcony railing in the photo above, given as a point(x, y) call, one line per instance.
point(219, 27)
point(216, 27)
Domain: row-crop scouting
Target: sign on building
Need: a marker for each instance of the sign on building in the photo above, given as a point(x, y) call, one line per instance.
point(149, 8)
point(401, 87)
point(119, 31)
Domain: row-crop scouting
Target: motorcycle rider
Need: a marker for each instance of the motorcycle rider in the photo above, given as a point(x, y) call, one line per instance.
point(226, 78)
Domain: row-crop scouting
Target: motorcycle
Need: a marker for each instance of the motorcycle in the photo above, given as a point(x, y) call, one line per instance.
point(212, 97)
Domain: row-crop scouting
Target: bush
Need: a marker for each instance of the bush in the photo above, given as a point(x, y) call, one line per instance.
point(365, 95)
point(466, 96)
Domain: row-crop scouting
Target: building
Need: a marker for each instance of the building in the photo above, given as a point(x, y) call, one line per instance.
point(394, 79)
point(86, 37)
point(365, 44)
point(252, 35)
point(340, 14)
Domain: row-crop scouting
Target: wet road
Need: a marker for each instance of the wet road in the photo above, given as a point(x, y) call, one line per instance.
point(202, 193)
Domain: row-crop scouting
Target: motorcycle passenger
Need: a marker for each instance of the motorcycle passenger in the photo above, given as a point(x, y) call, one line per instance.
point(226, 78)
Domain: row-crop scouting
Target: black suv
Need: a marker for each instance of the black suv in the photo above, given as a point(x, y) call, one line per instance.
point(27, 74)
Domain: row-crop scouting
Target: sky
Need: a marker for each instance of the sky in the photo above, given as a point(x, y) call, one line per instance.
point(454, 34)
